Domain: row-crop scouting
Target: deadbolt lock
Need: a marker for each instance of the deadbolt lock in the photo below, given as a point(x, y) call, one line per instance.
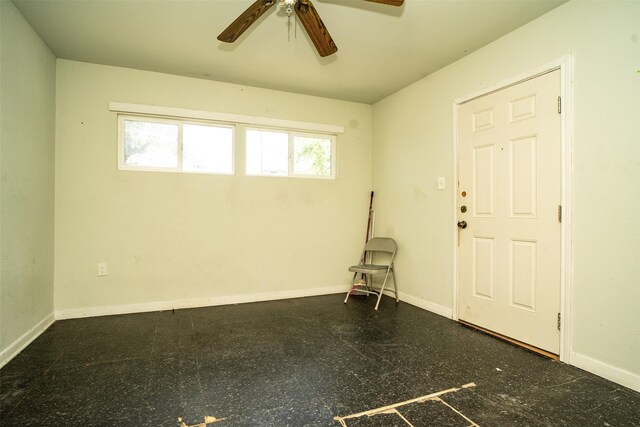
point(463, 208)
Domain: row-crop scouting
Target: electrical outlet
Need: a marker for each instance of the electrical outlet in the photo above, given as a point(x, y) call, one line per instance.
point(441, 183)
point(102, 269)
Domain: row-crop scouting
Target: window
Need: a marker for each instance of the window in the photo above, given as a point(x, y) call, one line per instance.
point(267, 153)
point(147, 143)
point(156, 138)
point(281, 153)
point(312, 155)
point(150, 144)
point(207, 149)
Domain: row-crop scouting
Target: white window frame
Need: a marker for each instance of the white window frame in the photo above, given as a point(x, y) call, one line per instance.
point(180, 122)
point(238, 122)
point(291, 136)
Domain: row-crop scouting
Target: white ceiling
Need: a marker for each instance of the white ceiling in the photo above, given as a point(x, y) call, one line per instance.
point(381, 48)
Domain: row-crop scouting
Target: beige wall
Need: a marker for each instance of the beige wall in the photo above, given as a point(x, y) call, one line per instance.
point(27, 119)
point(413, 145)
point(169, 237)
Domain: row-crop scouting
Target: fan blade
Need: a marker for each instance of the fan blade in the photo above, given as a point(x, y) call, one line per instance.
point(315, 28)
point(245, 20)
point(389, 2)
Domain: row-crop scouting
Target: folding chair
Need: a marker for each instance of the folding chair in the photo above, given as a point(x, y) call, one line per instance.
point(376, 244)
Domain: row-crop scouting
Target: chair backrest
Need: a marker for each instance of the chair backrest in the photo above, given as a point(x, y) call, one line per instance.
point(381, 244)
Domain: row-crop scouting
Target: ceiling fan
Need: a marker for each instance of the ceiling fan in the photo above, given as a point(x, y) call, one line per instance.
point(307, 15)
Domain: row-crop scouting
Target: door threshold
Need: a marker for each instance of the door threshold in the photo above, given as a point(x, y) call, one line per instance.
point(511, 340)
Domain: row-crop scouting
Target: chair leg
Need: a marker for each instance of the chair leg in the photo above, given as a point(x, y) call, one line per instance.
point(351, 288)
point(382, 289)
point(395, 287)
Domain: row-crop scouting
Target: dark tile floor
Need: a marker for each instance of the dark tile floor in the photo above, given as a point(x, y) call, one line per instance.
point(297, 362)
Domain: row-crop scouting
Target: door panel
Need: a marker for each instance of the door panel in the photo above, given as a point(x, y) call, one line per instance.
point(523, 177)
point(509, 163)
point(523, 274)
point(483, 264)
point(483, 179)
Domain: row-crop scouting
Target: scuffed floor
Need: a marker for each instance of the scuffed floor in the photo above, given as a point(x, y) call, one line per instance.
point(301, 362)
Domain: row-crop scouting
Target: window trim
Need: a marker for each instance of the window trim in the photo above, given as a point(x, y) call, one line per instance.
point(180, 122)
point(291, 134)
point(234, 119)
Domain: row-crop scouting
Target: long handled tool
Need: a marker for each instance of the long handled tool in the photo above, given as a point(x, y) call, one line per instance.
point(369, 220)
point(362, 281)
point(369, 227)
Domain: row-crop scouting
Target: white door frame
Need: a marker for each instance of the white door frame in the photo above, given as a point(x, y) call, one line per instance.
point(565, 65)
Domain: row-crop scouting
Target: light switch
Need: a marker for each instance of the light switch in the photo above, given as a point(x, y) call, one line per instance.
point(441, 183)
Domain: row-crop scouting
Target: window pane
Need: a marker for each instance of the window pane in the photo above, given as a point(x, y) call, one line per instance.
point(150, 144)
point(311, 156)
point(267, 153)
point(207, 149)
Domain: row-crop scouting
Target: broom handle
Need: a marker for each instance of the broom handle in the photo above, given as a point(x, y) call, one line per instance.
point(366, 239)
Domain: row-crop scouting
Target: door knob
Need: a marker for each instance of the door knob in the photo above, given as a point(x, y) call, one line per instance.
point(462, 224)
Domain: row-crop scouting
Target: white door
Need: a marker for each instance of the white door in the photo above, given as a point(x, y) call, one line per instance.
point(509, 193)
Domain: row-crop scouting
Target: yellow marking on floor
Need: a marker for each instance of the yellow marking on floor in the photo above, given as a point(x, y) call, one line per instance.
point(207, 420)
point(405, 420)
point(391, 409)
point(473, 424)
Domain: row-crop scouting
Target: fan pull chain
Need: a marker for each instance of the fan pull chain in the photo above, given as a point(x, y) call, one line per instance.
point(295, 28)
point(289, 10)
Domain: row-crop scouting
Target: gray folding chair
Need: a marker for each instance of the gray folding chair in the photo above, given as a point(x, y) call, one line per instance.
point(376, 244)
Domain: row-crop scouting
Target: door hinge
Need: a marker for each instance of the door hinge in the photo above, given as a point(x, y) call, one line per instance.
point(559, 104)
point(559, 213)
point(559, 321)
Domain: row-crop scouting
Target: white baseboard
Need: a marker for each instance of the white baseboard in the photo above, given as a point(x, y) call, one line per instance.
point(612, 373)
point(76, 313)
point(18, 345)
point(426, 305)
point(604, 370)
